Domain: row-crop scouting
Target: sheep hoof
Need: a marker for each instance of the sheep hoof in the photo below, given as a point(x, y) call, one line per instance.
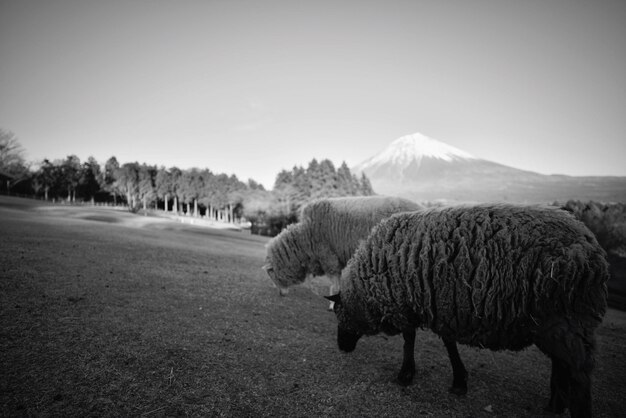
point(405, 377)
point(459, 384)
point(458, 390)
point(555, 409)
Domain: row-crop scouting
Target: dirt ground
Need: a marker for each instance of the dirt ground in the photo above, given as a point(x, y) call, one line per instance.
point(105, 313)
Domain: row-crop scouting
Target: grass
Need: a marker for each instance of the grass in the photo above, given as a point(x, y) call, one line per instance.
point(104, 313)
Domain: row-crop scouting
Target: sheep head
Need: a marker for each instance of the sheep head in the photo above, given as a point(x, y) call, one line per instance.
point(347, 337)
point(287, 260)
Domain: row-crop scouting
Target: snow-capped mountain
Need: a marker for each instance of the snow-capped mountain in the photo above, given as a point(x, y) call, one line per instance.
point(404, 157)
point(425, 169)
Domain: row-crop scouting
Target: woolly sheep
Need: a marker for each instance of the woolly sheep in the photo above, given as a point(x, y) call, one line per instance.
point(489, 276)
point(326, 237)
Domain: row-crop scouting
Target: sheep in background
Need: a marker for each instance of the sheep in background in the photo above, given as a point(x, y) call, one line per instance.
point(326, 237)
point(489, 276)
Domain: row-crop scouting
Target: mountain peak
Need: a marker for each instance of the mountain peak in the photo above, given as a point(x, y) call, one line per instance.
point(412, 148)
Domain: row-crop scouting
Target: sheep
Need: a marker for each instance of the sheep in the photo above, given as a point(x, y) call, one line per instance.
point(326, 237)
point(488, 276)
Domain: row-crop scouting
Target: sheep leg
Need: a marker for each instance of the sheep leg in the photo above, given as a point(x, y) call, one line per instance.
point(407, 371)
point(459, 374)
point(570, 345)
point(570, 386)
point(559, 388)
point(580, 395)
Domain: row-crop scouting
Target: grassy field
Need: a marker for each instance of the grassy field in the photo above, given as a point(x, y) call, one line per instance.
point(105, 313)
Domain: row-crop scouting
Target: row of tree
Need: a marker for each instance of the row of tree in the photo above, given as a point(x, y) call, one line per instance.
point(190, 192)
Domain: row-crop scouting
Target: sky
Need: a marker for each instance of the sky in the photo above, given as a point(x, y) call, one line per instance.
point(252, 87)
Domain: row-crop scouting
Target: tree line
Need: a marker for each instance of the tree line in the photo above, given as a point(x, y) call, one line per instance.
point(192, 192)
point(189, 192)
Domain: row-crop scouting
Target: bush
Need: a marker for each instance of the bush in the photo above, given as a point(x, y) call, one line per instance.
point(606, 220)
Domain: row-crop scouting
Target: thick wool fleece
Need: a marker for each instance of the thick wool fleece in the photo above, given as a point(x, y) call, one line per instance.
point(327, 235)
point(489, 276)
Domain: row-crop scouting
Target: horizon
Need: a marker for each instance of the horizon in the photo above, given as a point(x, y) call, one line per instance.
point(253, 88)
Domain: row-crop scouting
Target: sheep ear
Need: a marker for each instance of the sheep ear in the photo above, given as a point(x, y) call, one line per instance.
point(334, 298)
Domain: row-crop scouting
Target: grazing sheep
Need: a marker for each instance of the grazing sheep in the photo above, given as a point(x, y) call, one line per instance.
point(326, 237)
point(489, 276)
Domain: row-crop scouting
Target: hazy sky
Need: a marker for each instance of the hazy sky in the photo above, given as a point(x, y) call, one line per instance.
point(253, 87)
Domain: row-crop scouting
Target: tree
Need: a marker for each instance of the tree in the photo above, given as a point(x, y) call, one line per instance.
point(45, 178)
point(257, 203)
point(283, 179)
point(302, 183)
point(207, 193)
point(347, 183)
point(220, 194)
point(11, 153)
point(163, 186)
point(107, 179)
point(146, 191)
point(190, 189)
point(176, 183)
point(327, 181)
point(12, 166)
point(257, 208)
point(89, 182)
point(71, 174)
point(127, 183)
point(366, 186)
point(253, 185)
point(235, 191)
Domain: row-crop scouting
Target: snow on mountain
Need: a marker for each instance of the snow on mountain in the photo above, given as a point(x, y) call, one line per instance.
point(411, 149)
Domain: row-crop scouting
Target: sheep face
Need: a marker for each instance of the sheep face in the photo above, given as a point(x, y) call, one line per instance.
point(347, 336)
point(282, 289)
point(346, 339)
point(286, 262)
